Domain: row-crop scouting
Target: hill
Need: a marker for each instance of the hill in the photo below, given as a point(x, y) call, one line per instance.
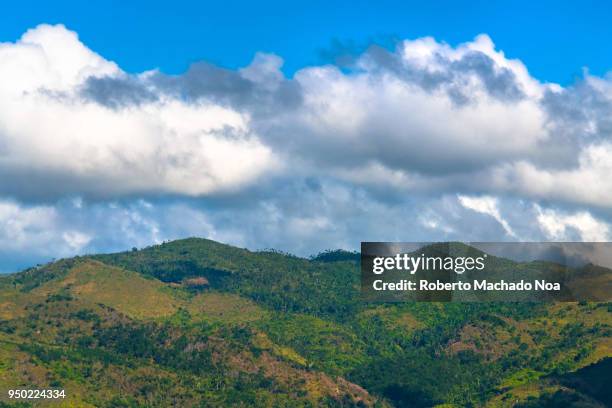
point(198, 323)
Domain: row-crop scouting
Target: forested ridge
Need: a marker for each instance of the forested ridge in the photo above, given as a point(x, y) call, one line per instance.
point(195, 323)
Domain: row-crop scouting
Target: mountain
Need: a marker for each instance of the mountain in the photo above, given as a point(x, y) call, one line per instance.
point(195, 323)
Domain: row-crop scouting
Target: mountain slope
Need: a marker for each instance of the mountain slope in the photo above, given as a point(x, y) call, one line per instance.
point(198, 323)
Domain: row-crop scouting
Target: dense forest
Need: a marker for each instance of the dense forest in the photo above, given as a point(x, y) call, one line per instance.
point(196, 323)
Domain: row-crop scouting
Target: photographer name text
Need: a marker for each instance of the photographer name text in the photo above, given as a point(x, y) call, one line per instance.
point(477, 285)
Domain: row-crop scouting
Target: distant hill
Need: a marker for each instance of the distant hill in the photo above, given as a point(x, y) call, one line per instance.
point(198, 323)
point(336, 256)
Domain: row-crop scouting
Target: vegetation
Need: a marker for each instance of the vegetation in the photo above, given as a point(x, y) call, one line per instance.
point(197, 323)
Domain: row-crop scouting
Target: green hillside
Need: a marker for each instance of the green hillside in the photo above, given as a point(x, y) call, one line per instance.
point(195, 323)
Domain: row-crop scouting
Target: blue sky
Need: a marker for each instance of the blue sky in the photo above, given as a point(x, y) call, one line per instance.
point(555, 39)
point(301, 127)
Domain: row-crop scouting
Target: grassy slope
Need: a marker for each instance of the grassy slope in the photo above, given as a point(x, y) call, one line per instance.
point(53, 332)
point(272, 329)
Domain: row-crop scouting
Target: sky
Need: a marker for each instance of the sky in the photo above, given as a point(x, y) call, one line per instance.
point(301, 128)
point(555, 39)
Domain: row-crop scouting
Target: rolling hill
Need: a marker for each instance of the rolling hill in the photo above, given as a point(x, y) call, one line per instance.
point(195, 323)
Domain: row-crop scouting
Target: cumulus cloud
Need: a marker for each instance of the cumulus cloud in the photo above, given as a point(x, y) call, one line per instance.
point(422, 142)
point(578, 226)
point(425, 113)
point(55, 142)
point(587, 183)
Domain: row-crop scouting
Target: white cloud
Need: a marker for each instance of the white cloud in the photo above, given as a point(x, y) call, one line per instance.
point(374, 116)
point(425, 142)
point(426, 53)
point(22, 226)
point(427, 116)
point(48, 57)
point(589, 183)
point(489, 206)
point(559, 226)
point(76, 240)
point(36, 232)
point(48, 132)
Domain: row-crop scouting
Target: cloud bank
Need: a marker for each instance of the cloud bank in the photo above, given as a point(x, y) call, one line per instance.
point(423, 142)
